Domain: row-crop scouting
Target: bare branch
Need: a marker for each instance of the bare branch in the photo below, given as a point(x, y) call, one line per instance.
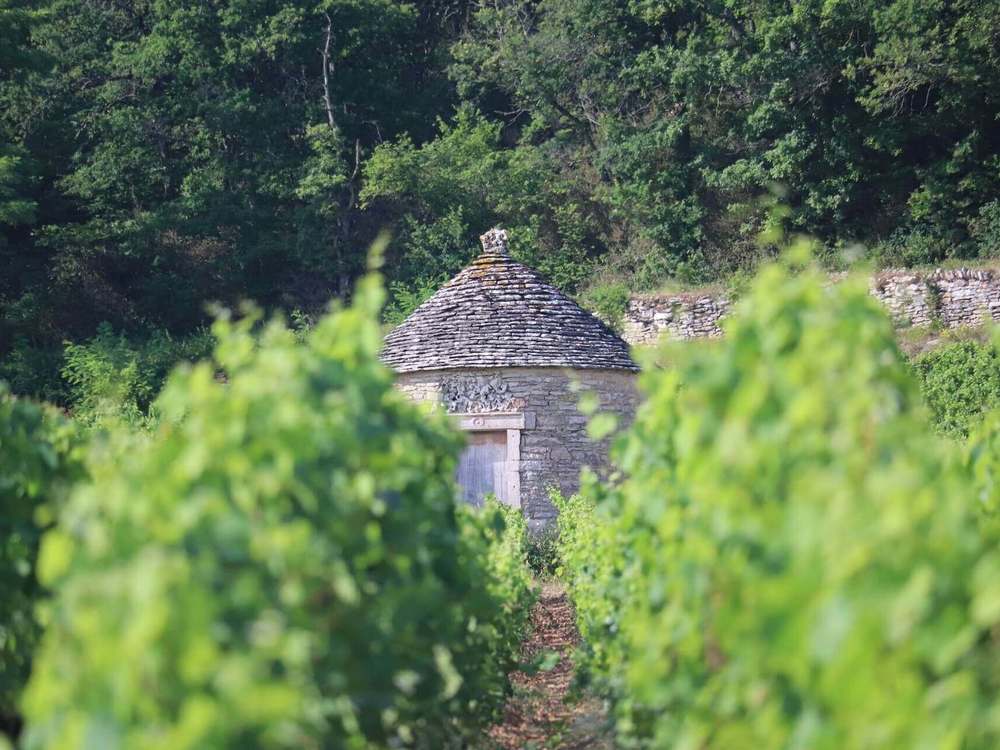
point(327, 101)
point(357, 159)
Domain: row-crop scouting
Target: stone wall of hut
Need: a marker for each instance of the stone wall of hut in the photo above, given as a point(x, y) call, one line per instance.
point(555, 446)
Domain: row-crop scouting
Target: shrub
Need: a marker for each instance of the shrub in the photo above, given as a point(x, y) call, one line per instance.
point(982, 458)
point(112, 376)
point(509, 581)
point(805, 567)
point(33, 371)
point(914, 247)
point(39, 459)
point(594, 576)
point(543, 551)
point(609, 302)
point(960, 383)
point(985, 230)
point(280, 564)
point(405, 299)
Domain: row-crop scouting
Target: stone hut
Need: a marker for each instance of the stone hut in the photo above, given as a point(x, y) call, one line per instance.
point(508, 355)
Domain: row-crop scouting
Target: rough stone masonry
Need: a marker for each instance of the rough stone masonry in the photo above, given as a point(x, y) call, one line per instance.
point(555, 445)
point(952, 298)
point(507, 355)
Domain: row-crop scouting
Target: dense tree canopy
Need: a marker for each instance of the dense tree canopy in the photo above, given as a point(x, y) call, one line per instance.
point(157, 155)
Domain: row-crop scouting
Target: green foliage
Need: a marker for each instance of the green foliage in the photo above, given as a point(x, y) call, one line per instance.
point(507, 554)
point(174, 154)
point(34, 371)
point(14, 209)
point(113, 377)
point(280, 563)
point(873, 115)
point(39, 456)
point(913, 247)
point(157, 156)
point(982, 457)
point(609, 302)
point(594, 577)
point(450, 190)
point(960, 383)
point(543, 552)
point(17, 59)
point(403, 299)
point(792, 559)
point(985, 229)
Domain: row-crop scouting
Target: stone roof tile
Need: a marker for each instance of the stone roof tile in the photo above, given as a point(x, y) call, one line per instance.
point(500, 313)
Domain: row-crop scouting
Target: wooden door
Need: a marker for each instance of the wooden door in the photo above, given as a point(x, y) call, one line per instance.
point(482, 466)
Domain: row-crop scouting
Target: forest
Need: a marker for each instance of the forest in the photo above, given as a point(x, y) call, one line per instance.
point(158, 157)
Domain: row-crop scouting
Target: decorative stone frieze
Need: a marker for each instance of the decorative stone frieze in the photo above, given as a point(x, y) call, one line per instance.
point(473, 394)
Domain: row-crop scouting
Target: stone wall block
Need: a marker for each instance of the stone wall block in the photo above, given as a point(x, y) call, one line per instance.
point(555, 446)
point(954, 298)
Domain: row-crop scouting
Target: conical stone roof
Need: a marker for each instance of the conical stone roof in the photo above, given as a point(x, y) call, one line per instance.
point(500, 313)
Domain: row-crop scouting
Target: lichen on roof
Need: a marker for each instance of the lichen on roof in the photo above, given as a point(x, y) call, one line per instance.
point(500, 313)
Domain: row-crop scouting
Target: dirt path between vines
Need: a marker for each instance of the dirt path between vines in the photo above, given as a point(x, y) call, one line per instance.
point(541, 713)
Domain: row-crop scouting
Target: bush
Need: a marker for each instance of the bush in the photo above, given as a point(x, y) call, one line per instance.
point(914, 247)
point(33, 371)
point(960, 383)
point(985, 230)
point(543, 550)
point(982, 458)
point(39, 459)
point(804, 566)
point(594, 578)
point(112, 376)
point(280, 564)
point(609, 302)
point(509, 580)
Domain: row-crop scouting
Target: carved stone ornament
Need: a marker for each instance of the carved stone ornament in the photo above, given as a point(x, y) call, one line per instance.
point(476, 394)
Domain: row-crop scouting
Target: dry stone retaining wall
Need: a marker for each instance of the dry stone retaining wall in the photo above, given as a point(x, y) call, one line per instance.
point(555, 446)
point(953, 298)
point(684, 316)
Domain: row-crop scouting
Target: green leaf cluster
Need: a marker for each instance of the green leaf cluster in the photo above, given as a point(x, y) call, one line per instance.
point(40, 457)
point(792, 559)
point(279, 563)
point(113, 377)
point(960, 383)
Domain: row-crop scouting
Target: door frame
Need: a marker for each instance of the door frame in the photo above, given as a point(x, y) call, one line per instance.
point(513, 423)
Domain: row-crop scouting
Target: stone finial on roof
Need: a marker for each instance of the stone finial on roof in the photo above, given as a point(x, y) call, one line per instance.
point(495, 242)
